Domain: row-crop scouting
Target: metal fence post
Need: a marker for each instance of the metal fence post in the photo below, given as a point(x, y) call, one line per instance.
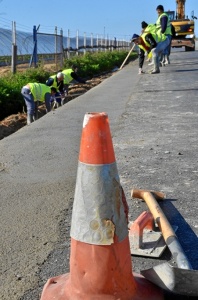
point(68, 44)
point(56, 37)
point(34, 54)
point(85, 43)
point(97, 42)
point(14, 49)
point(61, 48)
point(92, 42)
point(77, 42)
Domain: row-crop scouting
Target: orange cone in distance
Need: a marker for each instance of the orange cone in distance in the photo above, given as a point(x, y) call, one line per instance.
point(100, 259)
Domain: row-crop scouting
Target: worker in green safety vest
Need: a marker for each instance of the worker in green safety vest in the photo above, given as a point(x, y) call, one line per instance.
point(56, 81)
point(163, 26)
point(146, 28)
point(34, 93)
point(71, 77)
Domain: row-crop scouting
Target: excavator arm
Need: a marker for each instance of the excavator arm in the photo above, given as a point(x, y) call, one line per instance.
point(180, 10)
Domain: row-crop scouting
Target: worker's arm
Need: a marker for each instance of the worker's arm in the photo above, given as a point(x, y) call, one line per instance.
point(49, 82)
point(150, 39)
point(163, 21)
point(61, 87)
point(77, 78)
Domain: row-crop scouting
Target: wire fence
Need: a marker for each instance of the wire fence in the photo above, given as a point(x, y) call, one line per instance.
point(18, 47)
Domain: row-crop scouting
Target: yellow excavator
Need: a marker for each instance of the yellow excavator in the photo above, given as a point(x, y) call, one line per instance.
point(184, 27)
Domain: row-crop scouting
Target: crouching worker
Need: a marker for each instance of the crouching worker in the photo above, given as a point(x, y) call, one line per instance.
point(34, 92)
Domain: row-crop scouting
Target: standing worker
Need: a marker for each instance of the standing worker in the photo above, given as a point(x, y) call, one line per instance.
point(56, 81)
point(163, 26)
point(33, 92)
point(71, 76)
point(152, 42)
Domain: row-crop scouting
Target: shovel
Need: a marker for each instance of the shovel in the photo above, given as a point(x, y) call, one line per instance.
point(122, 65)
point(181, 279)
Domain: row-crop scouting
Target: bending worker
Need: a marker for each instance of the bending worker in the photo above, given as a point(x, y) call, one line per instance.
point(56, 81)
point(71, 76)
point(151, 41)
point(141, 50)
point(33, 92)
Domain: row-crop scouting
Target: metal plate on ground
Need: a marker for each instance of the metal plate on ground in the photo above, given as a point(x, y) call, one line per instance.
point(153, 244)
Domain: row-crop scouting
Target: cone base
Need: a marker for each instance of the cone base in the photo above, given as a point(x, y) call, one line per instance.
point(60, 288)
point(100, 273)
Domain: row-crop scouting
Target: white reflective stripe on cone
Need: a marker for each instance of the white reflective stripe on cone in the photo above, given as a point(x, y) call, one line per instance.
point(98, 210)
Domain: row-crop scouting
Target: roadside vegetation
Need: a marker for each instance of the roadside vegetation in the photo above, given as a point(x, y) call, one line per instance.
point(90, 65)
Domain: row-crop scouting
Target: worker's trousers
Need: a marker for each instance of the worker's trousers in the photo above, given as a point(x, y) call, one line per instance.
point(30, 101)
point(158, 50)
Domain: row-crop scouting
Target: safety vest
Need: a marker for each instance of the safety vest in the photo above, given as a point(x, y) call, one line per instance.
point(158, 36)
point(143, 35)
point(67, 75)
point(151, 28)
point(158, 24)
point(55, 83)
point(39, 90)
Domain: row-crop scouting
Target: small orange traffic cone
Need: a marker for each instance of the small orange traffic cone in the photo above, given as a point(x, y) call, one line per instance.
point(100, 259)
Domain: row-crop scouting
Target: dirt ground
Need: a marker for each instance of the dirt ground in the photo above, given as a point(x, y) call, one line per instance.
point(14, 122)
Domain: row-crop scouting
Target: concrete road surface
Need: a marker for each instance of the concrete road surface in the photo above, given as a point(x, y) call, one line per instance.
point(154, 126)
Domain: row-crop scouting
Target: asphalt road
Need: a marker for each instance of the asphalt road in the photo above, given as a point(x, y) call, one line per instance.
point(153, 121)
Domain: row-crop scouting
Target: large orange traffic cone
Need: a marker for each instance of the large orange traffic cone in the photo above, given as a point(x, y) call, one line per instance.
point(100, 259)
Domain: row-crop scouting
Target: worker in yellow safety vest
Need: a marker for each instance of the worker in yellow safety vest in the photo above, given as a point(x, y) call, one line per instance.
point(163, 26)
point(151, 41)
point(149, 28)
point(56, 81)
point(34, 93)
point(71, 77)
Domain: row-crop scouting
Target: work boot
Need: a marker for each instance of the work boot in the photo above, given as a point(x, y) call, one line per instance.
point(30, 119)
point(140, 72)
point(155, 71)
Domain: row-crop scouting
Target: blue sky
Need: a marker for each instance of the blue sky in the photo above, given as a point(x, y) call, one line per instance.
point(105, 17)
